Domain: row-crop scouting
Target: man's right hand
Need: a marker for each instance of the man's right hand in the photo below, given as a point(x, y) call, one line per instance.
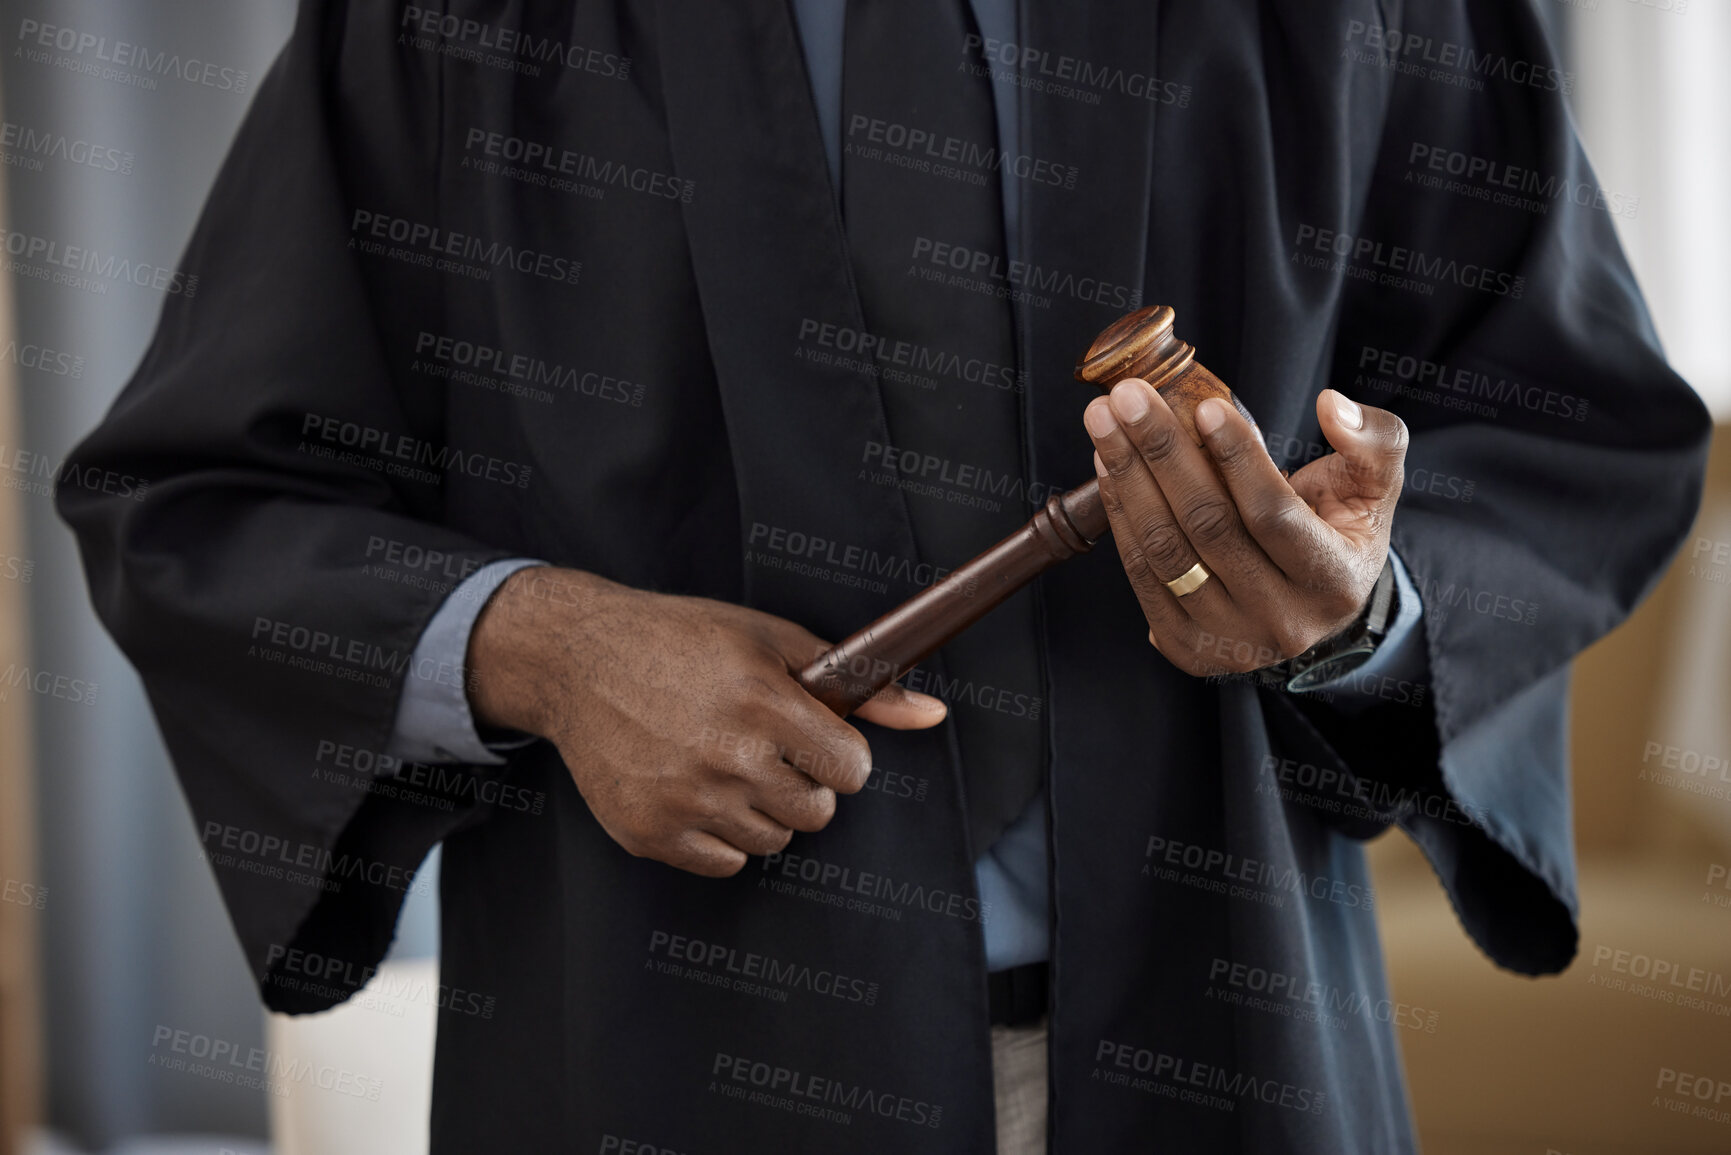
point(680, 718)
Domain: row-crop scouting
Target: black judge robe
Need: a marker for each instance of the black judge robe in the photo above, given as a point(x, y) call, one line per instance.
point(289, 418)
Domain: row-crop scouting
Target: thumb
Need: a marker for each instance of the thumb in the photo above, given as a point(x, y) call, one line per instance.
point(900, 708)
point(1371, 443)
point(895, 707)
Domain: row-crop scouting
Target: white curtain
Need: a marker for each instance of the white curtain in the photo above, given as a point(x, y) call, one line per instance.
point(1654, 103)
point(1653, 97)
point(134, 936)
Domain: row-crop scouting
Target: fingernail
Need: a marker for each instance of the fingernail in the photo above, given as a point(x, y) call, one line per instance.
point(928, 703)
point(1098, 418)
point(1348, 411)
point(1129, 402)
point(1099, 466)
point(1210, 415)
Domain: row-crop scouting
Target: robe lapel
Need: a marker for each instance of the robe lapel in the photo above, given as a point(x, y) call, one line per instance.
point(1121, 719)
point(769, 256)
point(770, 262)
point(1087, 240)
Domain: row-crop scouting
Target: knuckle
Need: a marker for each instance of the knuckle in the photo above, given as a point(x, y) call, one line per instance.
point(1118, 462)
point(724, 865)
point(853, 761)
point(743, 762)
point(775, 841)
point(1280, 518)
point(706, 806)
point(855, 744)
point(1136, 564)
point(1399, 437)
point(1162, 543)
point(1158, 442)
point(754, 689)
point(1234, 455)
point(1211, 521)
point(1110, 500)
point(818, 808)
point(691, 854)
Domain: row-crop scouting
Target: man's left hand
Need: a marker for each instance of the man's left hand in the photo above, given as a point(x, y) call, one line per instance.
point(1291, 562)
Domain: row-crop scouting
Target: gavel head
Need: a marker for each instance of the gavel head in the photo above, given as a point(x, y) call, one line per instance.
point(1143, 345)
point(1140, 344)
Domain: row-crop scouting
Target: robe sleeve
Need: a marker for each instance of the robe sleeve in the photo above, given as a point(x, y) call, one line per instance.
point(249, 584)
point(1531, 379)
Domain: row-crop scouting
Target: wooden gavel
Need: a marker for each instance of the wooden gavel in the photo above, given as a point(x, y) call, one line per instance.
point(1139, 345)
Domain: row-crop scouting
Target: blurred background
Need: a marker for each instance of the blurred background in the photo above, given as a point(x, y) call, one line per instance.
point(123, 996)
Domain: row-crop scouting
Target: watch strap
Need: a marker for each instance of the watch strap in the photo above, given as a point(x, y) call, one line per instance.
point(1329, 658)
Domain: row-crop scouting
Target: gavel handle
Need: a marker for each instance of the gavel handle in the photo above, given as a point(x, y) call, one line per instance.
point(1142, 345)
point(848, 674)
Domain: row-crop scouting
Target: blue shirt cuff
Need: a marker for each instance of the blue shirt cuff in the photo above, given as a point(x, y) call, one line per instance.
point(433, 719)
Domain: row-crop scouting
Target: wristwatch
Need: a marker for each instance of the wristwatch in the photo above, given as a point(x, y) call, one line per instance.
point(1348, 650)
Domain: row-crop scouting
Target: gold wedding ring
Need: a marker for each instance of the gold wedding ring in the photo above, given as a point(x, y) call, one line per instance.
point(1189, 581)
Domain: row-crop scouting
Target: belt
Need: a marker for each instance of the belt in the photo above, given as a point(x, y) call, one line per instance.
point(1017, 996)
